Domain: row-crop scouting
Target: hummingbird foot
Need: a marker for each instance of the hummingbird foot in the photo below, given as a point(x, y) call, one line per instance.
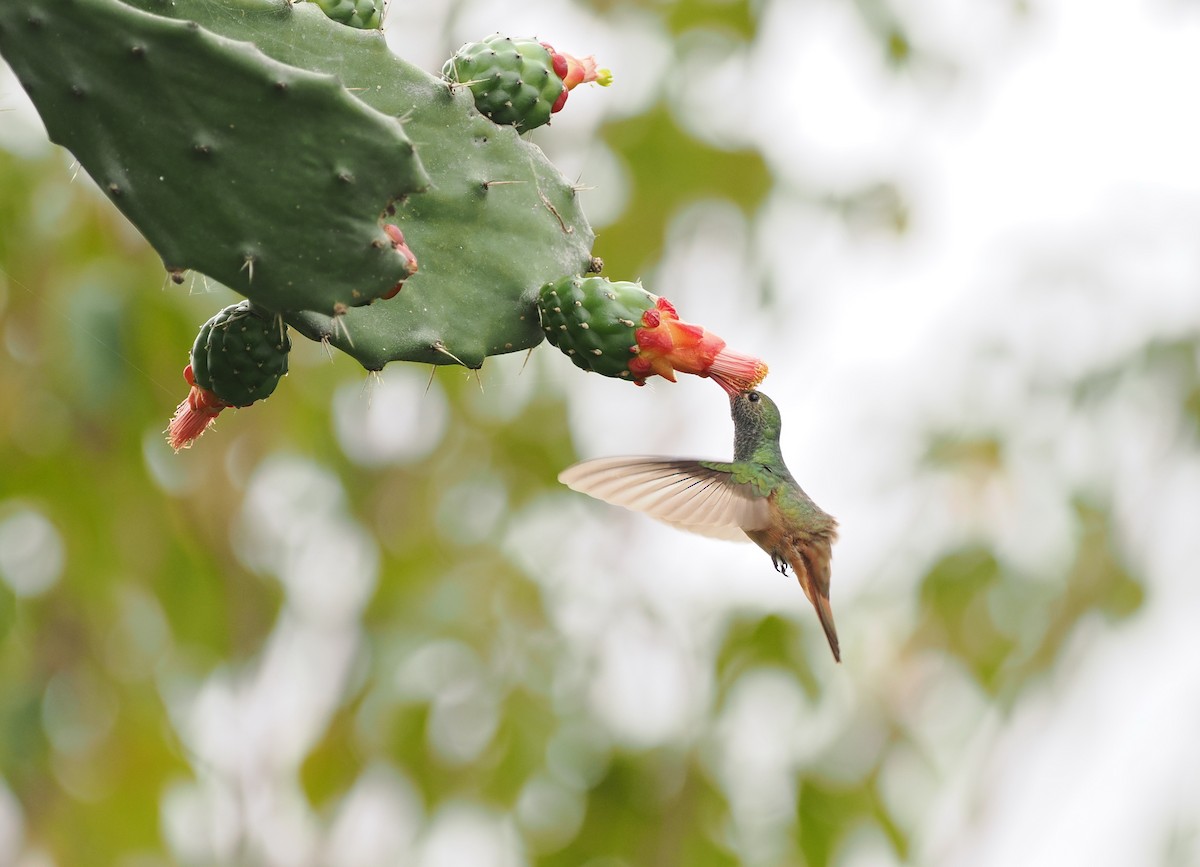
point(779, 563)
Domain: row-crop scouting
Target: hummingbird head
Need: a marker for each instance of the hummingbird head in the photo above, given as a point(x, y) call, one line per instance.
point(755, 419)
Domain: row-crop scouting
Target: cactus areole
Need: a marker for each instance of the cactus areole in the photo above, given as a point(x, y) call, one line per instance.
point(619, 329)
point(237, 359)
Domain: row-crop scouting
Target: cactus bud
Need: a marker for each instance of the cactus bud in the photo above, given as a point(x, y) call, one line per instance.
point(238, 357)
point(362, 14)
point(622, 330)
point(519, 82)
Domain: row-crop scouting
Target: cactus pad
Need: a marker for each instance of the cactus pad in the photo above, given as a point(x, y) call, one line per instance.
point(240, 354)
point(621, 330)
point(497, 221)
point(268, 177)
point(261, 143)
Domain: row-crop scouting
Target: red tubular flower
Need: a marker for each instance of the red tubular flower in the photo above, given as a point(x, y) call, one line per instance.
point(194, 416)
point(575, 71)
point(666, 344)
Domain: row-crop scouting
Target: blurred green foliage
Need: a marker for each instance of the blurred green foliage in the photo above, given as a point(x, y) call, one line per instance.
point(671, 169)
point(465, 680)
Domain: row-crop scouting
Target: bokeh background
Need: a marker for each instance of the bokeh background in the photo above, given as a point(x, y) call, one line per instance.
point(361, 624)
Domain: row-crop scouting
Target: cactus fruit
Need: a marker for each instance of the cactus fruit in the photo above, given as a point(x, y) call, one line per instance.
point(240, 354)
point(621, 330)
point(519, 82)
point(237, 359)
point(512, 80)
point(363, 14)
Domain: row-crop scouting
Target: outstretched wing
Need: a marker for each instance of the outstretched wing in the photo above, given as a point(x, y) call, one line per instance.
point(697, 496)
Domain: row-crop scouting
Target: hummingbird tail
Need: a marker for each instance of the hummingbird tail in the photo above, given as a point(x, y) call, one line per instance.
point(811, 566)
point(825, 615)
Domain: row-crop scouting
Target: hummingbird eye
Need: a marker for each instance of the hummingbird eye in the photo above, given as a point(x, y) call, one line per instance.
point(752, 397)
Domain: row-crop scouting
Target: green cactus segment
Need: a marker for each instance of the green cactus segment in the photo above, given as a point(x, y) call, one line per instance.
point(595, 321)
point(512, 80)
point(484, 249)
point(363, 14)
point(240, 354)
point(497, 222)
point(265, 176)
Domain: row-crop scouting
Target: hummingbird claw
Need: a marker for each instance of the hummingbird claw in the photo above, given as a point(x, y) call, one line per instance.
point(780, 565)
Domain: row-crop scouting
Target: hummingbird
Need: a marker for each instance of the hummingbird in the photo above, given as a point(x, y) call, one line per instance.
point(753, 498)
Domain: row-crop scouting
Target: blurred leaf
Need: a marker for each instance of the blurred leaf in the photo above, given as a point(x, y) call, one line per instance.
point(23, 746)
point(1191, 408)
point(336, 761)
point(881, 19)
point(827, 813)
point(670, 169)
point(956, 616)
point(768, 641)
point(737, 16)
point(651, 808)
point(8, 612)
point(408, 745)
point(1173, 361)
point(874, 207)
point(978, 456)
point(1097, 582)
point(527, 722)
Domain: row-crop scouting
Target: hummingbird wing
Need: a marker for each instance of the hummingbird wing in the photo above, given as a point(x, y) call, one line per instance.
point(697, 496)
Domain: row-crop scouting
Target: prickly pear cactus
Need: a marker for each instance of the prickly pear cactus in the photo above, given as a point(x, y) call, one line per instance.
point(619, 329)
point(496, 221)
point(266, 176)
point(272, 148)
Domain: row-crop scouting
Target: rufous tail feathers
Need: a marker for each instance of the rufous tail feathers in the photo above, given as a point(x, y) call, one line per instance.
point(811, 565)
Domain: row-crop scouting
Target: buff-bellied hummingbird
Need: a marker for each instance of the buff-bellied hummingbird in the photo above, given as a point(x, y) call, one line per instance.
point(753, 497)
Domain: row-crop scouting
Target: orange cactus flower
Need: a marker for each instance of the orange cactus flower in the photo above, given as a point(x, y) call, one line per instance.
point(575, 71)
point(194, 415)
point(666, 344)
